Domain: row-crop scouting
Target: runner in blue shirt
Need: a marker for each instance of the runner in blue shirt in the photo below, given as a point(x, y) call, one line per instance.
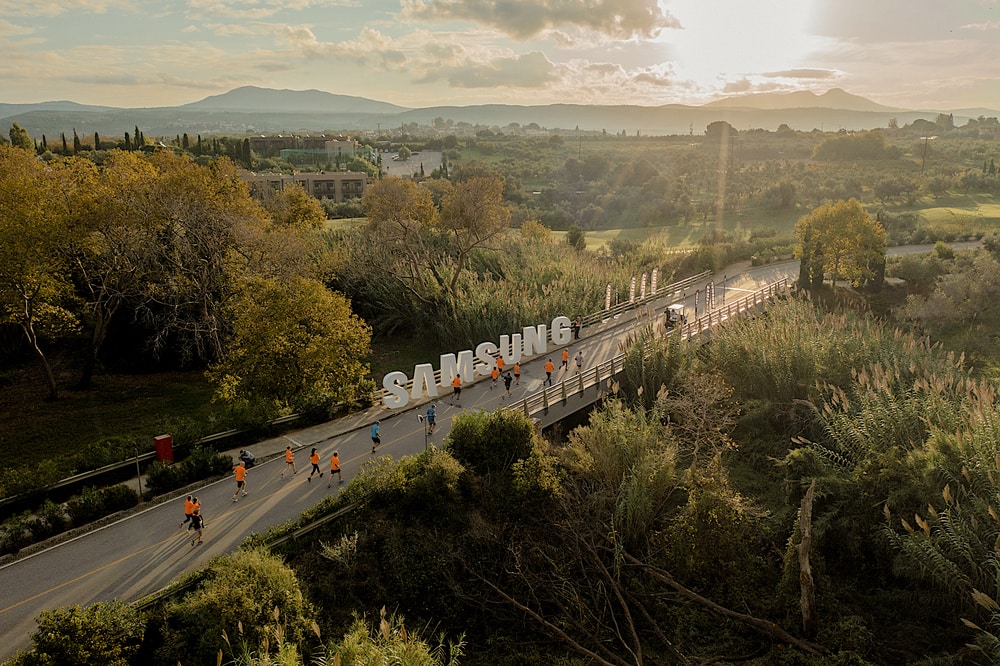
point(376, 440)
point(431, 415)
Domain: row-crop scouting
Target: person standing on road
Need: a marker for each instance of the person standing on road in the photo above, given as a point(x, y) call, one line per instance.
point(188, 510)
point(197, 524)
point(517, 374)
point(240, 472)
point(314, 459)
point(549, 367)
point(456, 387)
point(289, 461)
point(376, 434)
point(579, 361)
point(507, 379)
point(565, 359)
point(577, 325)
point(431, 419)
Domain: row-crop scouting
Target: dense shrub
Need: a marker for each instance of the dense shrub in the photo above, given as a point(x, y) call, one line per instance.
point(250, 588)
point(93, 503)
point(202, 463)
point(106, 633)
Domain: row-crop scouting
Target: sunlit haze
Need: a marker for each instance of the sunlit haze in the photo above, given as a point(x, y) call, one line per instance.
point(140, 53)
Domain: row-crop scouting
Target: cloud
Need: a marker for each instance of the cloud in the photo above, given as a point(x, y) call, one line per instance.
point(8, 29)
point(257, 9)
point(800, 74)
point(371, 48)
point(524, 19)
point(57, 7)
point(985, 26)
point(530, 70)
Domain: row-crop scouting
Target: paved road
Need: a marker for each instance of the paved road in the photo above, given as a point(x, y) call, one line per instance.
point(145, 551)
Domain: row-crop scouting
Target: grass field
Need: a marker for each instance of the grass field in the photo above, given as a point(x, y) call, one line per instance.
point(125, 408)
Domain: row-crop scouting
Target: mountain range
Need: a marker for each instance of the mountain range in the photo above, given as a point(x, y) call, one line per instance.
point(253, 110)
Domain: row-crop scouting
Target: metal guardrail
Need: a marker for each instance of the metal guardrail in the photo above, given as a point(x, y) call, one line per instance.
point(592, 377)
point(597, 317)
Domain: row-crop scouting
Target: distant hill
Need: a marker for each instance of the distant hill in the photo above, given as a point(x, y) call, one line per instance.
point(252, 110)
point(14, 109)
point(835, 98)
point(252, 98)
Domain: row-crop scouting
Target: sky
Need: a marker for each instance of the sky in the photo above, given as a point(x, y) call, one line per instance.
point(914, 54)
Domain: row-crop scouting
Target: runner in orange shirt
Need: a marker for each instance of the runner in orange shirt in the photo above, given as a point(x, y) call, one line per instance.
point(565, 359)
point(335, 468)
point(517, 374)
point(549, 367)
point(494, 374)
point(289, 461)
point(240, 472)
point(314, 459)
point(456, 386)
point(188, 510)
point(500, 363)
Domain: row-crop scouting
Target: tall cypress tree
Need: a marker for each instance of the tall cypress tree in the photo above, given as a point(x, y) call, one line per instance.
point(97, 141)
point(65, 150)
point(185, 144)
point(77, 146)
point(128, 142)
point(198, 150)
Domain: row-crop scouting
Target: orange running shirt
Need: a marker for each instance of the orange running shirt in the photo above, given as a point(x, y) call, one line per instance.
point(289, 456)
point(565, 355)
point(495, 374)
point(517, 369)
point(188, 507)
point(549, 367)
point(500, 363)
point(456, 382)
point(335, 463)
point(314, 459)
point(241, 472)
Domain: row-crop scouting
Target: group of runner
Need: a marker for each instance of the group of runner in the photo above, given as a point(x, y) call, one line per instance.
point(313, 460)
point(192, 508)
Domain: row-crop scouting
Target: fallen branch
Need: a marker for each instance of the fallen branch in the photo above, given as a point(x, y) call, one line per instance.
point(764, 626)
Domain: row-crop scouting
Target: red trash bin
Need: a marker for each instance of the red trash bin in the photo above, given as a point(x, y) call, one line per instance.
point(164, 445)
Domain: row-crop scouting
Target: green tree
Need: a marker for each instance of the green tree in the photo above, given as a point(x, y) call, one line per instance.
point(405, 153)
point(115, 246)
point(20, 138)
point(293, 207)
point(841, 239)
point(294, 346)
point(475, 215)
point(97, 141)
point(474, 439)
point(211, 225)
point(77, 146)
point(576, 238)
point(35, 285)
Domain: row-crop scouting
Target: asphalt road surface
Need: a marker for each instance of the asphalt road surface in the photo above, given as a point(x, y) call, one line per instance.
point(145, 551)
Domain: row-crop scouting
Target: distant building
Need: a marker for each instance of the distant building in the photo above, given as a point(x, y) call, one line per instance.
point(337, 186)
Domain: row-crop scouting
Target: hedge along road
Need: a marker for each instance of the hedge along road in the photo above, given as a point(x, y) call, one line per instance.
point(145, 551)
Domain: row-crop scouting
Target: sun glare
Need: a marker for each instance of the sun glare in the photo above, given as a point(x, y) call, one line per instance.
point(725, 40)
